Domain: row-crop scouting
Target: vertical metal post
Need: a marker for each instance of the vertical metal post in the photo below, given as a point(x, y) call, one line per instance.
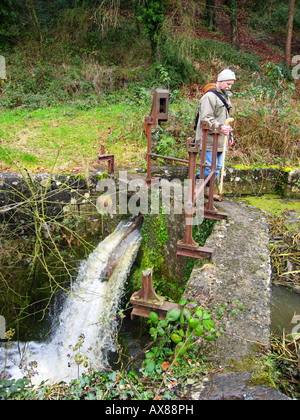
point(188, 247)
point(149, 121)
point(193, 150)
point(146, 300)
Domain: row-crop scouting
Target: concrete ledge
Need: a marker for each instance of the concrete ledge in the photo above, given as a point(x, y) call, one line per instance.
point(240, 271)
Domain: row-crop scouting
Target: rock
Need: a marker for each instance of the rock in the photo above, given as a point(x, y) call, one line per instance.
point(232, 386)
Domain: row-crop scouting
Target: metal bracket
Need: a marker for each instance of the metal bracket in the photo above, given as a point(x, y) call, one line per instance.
point(107, 158)
point(146, 300)
point(193, 251)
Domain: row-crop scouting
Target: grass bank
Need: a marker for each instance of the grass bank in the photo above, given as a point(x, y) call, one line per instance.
point(67, 138)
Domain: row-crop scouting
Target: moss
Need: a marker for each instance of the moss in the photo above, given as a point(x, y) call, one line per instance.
point(273, 204)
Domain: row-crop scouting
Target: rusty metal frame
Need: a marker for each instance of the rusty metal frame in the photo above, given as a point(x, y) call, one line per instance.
point(187, 246)
point(159, 112)
point(102, 157)
point(146, 300)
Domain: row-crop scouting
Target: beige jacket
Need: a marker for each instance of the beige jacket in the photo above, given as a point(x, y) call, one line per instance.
point(213, 110)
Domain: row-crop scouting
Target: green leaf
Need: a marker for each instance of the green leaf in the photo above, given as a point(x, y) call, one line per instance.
point(199, 313)
point(180, 349)
point(153, 333)
point(13, 389)
point(185, 315)
point(173, 314)
point(181, 332)
point(149, 355)
point(210, 337)
point(199, 331)
point(208, 324)
point(182, 302)
point(193, 322)
point(161, 332)
point(163, 323)
point(153, 317)
point(150, 366)
point(206, 315)
point(176, 338)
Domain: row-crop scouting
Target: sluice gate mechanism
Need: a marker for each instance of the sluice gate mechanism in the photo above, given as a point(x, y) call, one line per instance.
point(146, 300)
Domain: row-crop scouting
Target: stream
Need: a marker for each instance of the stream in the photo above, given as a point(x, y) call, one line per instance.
point(285, 306)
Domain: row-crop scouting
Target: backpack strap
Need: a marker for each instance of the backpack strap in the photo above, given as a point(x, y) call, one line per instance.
point(227, 106)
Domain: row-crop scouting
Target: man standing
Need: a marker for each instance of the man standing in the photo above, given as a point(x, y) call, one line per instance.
point(214, 108)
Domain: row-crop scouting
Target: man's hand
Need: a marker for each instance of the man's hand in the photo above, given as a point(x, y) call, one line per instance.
point(226, 129)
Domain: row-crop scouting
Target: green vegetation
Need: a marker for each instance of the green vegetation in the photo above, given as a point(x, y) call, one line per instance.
point(284, 235)
point(32, 139)
point(88, 69)
point(274, 205)
point(173, 359)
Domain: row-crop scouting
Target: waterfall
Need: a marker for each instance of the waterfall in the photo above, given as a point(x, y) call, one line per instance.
point(88, 318)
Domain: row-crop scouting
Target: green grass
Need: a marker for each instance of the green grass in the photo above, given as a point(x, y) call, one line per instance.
point(70, 138)
point(67, 139)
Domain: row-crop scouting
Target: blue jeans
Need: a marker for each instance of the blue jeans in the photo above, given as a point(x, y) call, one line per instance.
point(208, 159)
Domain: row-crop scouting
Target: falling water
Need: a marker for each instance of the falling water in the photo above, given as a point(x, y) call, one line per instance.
point(88, 316)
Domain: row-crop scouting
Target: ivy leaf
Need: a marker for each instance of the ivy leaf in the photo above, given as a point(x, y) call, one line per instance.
point(150, 366)
point(173, 314)
point(199, 331)
point(153, 317)
point(185, 315)
point(206, 315)
point(176, 338)
point(182, 302)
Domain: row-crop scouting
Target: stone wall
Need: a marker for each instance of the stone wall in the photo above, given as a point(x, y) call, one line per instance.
point(65, 195)
point(239, 182)
point(60, 196)
point(240, 271)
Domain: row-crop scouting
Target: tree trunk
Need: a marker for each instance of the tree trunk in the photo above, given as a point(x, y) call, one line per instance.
point(234, 26)
point(210, 14)
point(289, 34)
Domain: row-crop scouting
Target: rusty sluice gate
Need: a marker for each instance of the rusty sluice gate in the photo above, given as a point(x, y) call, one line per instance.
point(146, 300)
point(159, 112)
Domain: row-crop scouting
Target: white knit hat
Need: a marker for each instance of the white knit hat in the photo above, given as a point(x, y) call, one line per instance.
point(226, 74)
